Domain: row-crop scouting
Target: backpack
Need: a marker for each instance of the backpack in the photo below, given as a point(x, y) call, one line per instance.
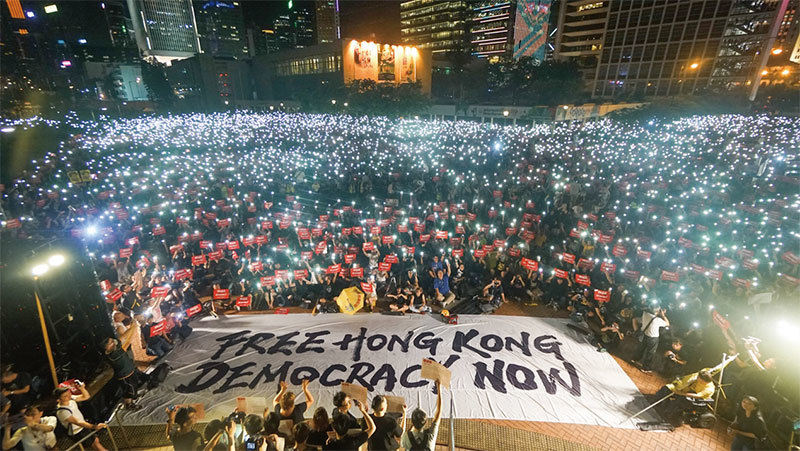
point(62, 430)
point(419, 442)
point(158, 375)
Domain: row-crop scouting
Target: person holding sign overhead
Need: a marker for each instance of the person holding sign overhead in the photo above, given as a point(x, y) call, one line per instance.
point(285, 407)
point(419, 437)
point(345, 439)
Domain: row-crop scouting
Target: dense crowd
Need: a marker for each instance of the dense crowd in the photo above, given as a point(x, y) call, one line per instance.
point(652, 225)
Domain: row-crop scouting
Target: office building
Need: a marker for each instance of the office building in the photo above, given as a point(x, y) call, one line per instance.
point(665, 48)
point(121, 81)
point(303, 27)
point(120, 30)
point(491, 29)
point(211, 83)
point(165, 29)
point(220, 27)
point(292, 73)
point(261, 42)
point(579, 34)
point(326, 16)
point(440, 26)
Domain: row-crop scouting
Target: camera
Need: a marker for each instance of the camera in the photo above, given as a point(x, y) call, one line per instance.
point(254, 442)
point(236, 417)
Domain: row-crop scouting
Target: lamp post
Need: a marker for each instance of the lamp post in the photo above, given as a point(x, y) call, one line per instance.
point(37, 271)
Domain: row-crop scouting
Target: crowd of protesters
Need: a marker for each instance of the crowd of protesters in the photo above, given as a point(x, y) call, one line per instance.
point(658, 229)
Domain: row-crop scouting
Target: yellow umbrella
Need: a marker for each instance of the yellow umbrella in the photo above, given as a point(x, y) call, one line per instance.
point(350, 300)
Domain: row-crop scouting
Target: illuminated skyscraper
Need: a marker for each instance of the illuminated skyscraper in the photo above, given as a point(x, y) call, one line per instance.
point(326, 16)
point(165, 29)
point(220, 26)
point(438, 25)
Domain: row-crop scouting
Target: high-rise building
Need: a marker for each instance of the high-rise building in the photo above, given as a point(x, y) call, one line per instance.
point(326, 16)
point(579, 33)
point(120, 29)
point(491, 28)
point(220, 26)
point(261, 42)
point(439, 25)
point(165, 29)
point(677, 48)
point(303, 27)
point(284, 31)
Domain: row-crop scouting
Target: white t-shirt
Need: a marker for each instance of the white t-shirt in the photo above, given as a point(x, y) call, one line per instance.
point(405, 442)
point(70, 410)
point(36, 440)
point(656, 324)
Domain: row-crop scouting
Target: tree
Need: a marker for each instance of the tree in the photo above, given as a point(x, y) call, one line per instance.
point(368, 97)
point(155, 80)
point(526, 82)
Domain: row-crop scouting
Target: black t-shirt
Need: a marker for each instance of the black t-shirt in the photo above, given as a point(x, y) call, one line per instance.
point(386, 429)
point(352, 422)
point(189, 441)
point(297, 415)
point(120, 362)
point(318, 438)
point(22, 400)
point(754, 424)
point(349, 443)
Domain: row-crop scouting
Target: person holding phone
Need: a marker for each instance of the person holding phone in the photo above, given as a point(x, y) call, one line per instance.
point(72, 419)
point(36, 434)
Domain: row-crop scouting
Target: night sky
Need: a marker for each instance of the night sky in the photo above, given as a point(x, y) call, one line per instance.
point(373, 20)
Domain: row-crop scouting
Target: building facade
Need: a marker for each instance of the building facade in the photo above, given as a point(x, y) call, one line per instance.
point(440, 26)
point(211, 83)
point(326, 17)
point(666, 48)
point(579, 34)
point(165, 29)
point(220, 27)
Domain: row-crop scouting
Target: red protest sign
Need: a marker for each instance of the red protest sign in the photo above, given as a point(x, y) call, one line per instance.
point(383, 266)
point(157, 292)
point(608, 267)
point(720, 320)
point(357, 272)
point(243, 301)
point(221, 293)
point(583, 279)
point(569, 258)
point(215, 255)
point(391, 258)
point(158, 328)
point(183, 274)
point(619, 250)
point(367, 287)
point(561, 274)
point(256, 266)
point(193, 310)
point(267, 281)
point(125, 252)
point(602, 296)
point(334, 269)
point(198, 260)
point(114, 295)
point(670, 276)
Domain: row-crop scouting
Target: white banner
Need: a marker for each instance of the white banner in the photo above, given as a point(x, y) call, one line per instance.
point(503, 367)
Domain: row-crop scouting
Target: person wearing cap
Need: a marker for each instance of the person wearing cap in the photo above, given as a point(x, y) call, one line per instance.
point(70, 416)
point(125, 371)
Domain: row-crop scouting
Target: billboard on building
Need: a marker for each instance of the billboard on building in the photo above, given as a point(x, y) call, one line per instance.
point(385, 63)
point(795, 56)
point(530, 28)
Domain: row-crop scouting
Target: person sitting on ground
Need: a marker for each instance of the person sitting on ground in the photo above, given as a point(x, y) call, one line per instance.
point(37, 434)
point(418, 303)
point(285, 407)
point(441, 285)
point(345, 440)
point(72, 419)
point(493, 295)
point(387, 431)
point(419, 437)
point(398, 300)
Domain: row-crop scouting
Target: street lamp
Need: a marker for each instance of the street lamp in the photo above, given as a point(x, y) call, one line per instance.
point(333, 101)
point(505, 113)
point(37, 271)
point(694, 65)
